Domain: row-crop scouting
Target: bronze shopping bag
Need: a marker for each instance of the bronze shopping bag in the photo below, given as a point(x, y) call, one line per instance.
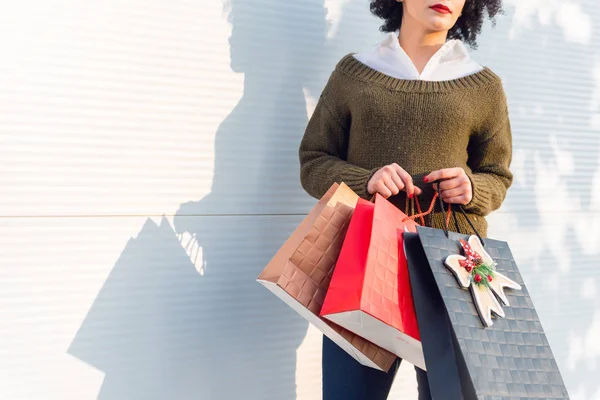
point(300, 272)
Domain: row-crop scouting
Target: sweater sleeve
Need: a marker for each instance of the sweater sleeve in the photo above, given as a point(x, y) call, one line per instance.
point(490, 155)
point(324, 147)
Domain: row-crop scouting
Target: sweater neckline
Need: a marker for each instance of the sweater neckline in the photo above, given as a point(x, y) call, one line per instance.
point(355, 68)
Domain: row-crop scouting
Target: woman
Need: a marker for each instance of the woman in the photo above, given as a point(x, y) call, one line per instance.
point(417, 110)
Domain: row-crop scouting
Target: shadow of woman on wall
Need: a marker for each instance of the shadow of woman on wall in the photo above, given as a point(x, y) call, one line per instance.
point(158, 329)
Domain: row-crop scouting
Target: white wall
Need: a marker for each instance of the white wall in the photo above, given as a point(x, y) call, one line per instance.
point(148, 171)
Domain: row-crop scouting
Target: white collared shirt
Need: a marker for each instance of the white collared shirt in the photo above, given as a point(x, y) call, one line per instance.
point(451, 61)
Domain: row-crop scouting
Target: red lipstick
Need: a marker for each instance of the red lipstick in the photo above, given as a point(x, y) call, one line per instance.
point(442, 9)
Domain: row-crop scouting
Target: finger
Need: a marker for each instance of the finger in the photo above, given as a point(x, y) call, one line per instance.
point(462, 200)
point(382, 189)
point(418, 191)
point(442, 174)
point(389, 182)
point(409, 187)
point(453, 183)
point(434, 176)
point(452, 193)
point(397, 180)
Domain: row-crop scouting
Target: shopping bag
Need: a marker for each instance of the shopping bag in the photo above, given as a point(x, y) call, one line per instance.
point(481, 336)
point(300, 272)
point(370, 291)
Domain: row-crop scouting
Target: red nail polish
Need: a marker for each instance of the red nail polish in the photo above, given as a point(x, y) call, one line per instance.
point(426, 180)
point(410, 196)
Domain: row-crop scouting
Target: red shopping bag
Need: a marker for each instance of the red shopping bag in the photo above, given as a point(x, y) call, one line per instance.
point(370, 292)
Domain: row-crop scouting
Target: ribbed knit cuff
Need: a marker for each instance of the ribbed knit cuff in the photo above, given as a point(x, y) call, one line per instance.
point(357, 179)
point(482, 196)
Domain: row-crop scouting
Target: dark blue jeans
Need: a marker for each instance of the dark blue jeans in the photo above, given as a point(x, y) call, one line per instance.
point(346, 379)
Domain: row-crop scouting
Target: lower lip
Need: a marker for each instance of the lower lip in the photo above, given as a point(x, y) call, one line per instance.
point(440, 10)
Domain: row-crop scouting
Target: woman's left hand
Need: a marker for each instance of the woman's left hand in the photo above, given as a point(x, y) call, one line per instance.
point(455, 185)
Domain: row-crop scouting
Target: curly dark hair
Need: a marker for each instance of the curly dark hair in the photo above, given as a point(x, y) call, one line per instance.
point(467, 27)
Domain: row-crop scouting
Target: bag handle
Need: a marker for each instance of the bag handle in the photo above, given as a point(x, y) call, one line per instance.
point(420, 214)
point(414, 216)
point(451, 209)
point(451, 212)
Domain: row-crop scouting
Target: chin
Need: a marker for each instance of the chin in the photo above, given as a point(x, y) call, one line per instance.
point(439, 25)
point(236, 68)
point(237, 59)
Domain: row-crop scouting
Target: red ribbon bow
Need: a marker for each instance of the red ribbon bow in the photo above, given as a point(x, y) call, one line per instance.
point(472, 258)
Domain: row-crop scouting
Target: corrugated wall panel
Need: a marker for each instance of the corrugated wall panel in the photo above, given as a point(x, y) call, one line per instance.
point(548, 58)
point(114, 114)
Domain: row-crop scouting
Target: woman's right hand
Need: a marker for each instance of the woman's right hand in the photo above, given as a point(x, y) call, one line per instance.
point(390, 180)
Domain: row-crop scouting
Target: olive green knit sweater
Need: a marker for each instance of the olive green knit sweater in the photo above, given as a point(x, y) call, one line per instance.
point(365, 120)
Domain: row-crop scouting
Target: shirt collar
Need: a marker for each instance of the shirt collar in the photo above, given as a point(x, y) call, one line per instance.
point(452, 50)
